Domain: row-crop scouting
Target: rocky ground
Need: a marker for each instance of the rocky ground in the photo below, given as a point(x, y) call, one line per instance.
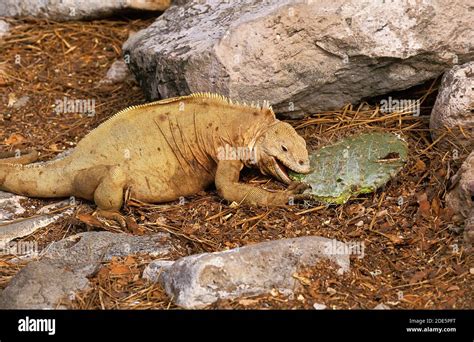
point(414, 256)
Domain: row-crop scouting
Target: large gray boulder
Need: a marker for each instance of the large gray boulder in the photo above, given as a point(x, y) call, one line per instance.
point(199, 280)
point(454, 107)
point(302, 56)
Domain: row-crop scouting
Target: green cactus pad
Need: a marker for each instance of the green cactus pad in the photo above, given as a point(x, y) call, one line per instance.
point(356, 165)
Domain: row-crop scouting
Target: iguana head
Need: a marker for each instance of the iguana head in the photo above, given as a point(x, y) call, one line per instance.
point(280, 148)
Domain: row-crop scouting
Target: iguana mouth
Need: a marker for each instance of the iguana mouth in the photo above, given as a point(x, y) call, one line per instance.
point(281, 171)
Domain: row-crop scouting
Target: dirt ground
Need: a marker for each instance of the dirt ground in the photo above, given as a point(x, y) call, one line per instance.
point(414, 256)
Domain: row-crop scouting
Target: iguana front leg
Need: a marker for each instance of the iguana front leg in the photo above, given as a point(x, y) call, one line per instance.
point(228, 186)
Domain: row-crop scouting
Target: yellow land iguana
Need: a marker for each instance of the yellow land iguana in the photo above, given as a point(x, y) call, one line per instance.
point(167, 149)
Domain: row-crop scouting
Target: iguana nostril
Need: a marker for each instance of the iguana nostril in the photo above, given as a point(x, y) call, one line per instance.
point(301, 162)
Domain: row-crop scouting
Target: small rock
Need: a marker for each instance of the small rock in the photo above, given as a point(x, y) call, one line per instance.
point(331, 291)
point(47, 209)
point(65, 265)
point(471, 270)
point(14, 102)
point(382, 306)
point(117, 73)
point(10, 206)
point(4, 28)
point(154, 269)
point(199, 280)
point(21, 102)
point(318, 306)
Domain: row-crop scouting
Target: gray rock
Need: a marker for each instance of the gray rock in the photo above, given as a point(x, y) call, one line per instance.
point(76, 9)
point(65, 265)
point(40, 285)
point(382, 306)
point(24, 227)
point(302, 56)
point(13, 229)
point(199, 280)
point(21, 102)
point(86, 248)
point(4, 28)
point(118, 72)
point(318, 306)
point(10, 206)
point(153, 270)
point(454, 106)
point(47, 209)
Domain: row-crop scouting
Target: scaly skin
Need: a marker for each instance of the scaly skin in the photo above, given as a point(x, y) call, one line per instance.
point(168, 149)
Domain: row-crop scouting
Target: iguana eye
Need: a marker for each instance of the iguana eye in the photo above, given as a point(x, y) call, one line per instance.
point(284, 148)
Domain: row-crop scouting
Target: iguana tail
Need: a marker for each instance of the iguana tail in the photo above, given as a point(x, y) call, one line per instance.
point(36, 180)
point(23, 157)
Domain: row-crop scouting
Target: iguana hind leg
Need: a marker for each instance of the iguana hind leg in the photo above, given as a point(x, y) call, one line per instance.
point(109, 193)
point(105, 185)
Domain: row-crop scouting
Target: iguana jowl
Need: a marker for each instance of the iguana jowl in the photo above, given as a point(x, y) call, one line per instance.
point(167, 149)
